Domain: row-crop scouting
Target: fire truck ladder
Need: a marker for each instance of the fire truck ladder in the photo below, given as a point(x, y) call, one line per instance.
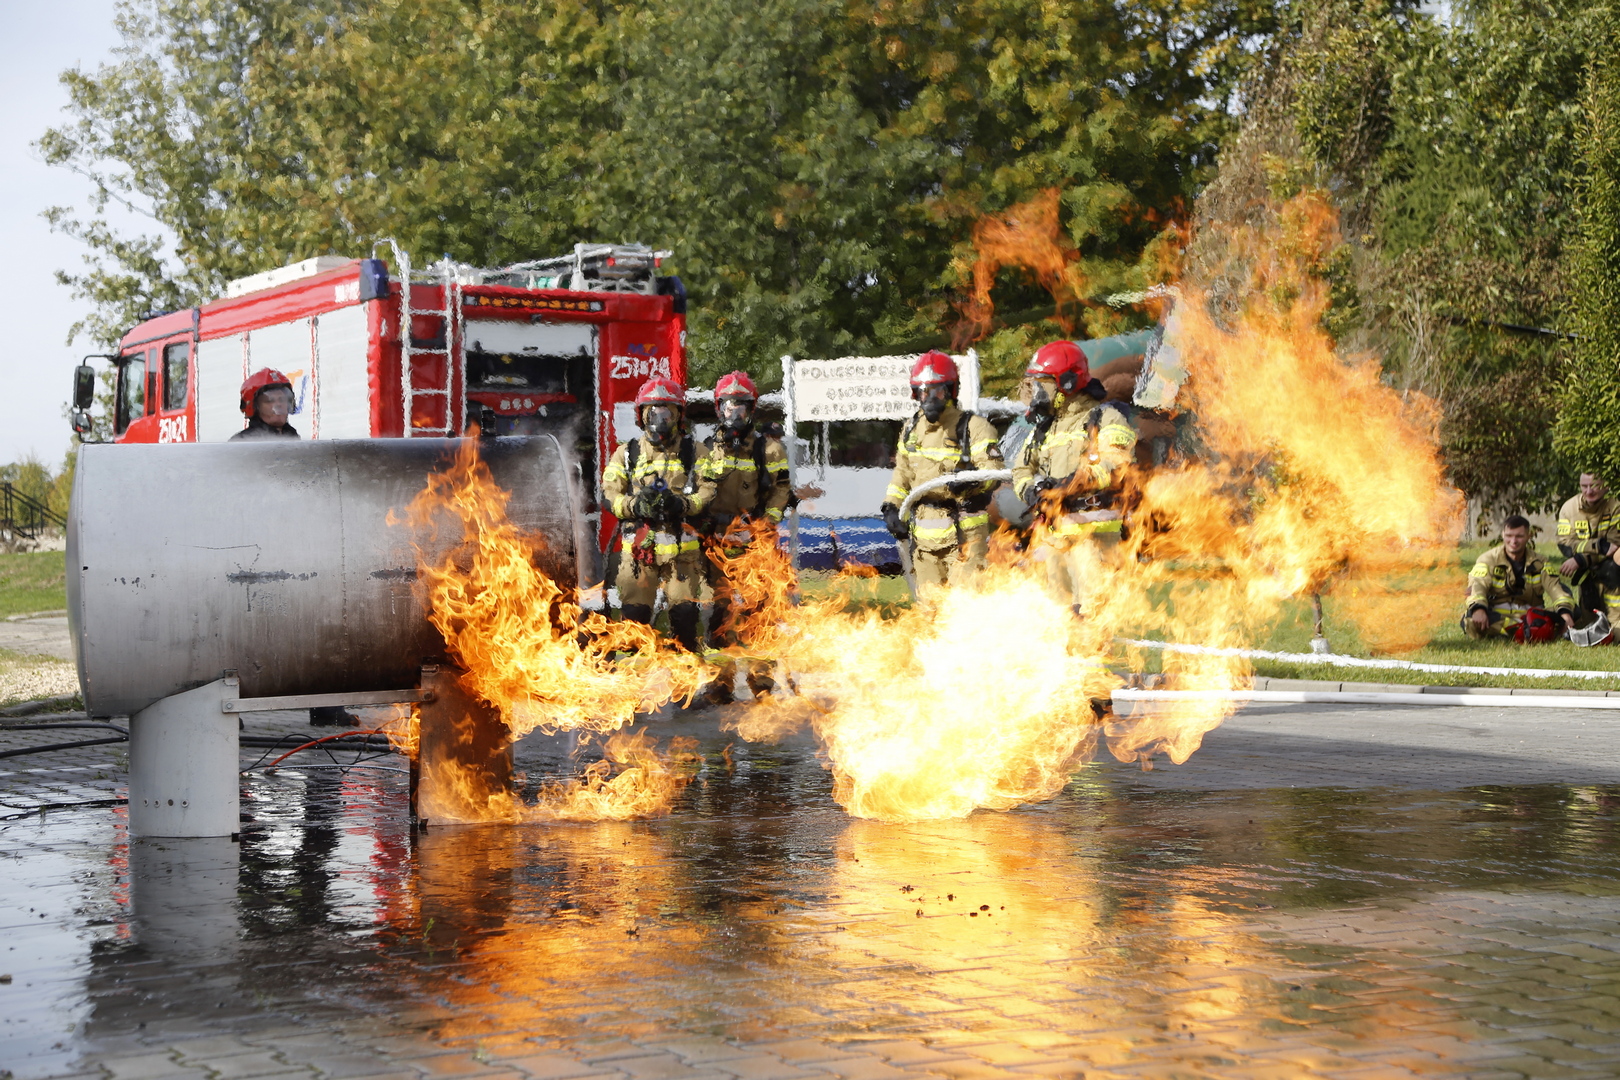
point(445, 274)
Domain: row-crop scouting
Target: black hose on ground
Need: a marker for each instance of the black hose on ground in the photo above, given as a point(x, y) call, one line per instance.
point(59, 746)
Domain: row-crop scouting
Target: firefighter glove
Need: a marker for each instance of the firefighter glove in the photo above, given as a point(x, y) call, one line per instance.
point(645, 506)
point(1033, 493)
point(964, 487)
point(892, 522)
point(671, 505)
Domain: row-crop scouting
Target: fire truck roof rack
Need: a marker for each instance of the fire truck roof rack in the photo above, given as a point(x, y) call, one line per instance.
point(631, 268)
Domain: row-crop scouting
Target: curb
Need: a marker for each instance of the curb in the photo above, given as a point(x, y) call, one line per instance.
point(1331, 687)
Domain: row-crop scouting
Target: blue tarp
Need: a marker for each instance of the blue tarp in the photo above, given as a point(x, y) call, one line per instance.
point(827, 544)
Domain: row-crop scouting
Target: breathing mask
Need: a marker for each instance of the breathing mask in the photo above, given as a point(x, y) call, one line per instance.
point(934, 401)
point(660, 422)
point(736, 418)
point(1041, 401)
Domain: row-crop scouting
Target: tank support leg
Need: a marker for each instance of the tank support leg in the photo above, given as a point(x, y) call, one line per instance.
point(183, 765)
point(462, 772)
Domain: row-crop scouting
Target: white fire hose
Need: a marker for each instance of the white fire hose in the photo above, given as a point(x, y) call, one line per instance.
point(971, 477)
point(1348, 697)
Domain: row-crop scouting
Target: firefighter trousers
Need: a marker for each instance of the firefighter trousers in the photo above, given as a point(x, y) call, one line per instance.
point(724, 617)
point(638, 582)
point(1075, 565)
point(952, 565)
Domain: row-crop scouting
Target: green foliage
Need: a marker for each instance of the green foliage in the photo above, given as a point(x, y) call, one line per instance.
point(817, 167)
point(1451, 149)
point(1591, 404)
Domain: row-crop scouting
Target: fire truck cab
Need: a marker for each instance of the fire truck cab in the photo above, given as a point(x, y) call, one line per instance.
point(374, 349)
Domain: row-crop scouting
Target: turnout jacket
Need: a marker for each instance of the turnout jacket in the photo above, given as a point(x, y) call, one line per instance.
point(1589, 533)
point(738, 486)
point(623, 481)
point(1097, 442)
point(1495, 584)
point(930, 449)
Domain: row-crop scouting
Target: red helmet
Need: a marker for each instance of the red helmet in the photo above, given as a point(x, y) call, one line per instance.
point(660, 391)
point(260, 380)
point(933, 368)
point(1063, 361)
point(1539, 625)
point(736, 384)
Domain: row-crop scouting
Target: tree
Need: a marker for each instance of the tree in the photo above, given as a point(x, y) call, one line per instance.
point(1450, 150)
point(1591, 404)
point(817, 167)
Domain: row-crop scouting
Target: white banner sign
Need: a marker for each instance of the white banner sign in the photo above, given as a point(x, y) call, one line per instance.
point(854, 388)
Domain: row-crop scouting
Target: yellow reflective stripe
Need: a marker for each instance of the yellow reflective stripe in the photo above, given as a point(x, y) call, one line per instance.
point(1115, 435)
point(936, 453)
point(896, 494)
point(942, 527)
point(1480, 570)
point(773, 513)
point(615, 471)
point(1563, 527)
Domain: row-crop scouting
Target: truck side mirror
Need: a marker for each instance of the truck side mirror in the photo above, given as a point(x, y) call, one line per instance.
point(81, 422)
point(84, 388)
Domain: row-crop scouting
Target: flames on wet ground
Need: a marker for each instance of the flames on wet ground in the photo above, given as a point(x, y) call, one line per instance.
point(1312, 470)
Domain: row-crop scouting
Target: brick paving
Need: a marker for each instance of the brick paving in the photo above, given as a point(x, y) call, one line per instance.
point(1319, 892)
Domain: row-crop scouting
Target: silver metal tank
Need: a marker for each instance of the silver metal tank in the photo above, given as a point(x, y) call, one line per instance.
point(276, 559)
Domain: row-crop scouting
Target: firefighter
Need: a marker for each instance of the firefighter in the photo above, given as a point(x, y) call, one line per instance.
point(1589, 539)
point(654, 487)
point(749, 470)
point(267, 401)
point(1071, 468)
point(1510, 591)
point(950, 527)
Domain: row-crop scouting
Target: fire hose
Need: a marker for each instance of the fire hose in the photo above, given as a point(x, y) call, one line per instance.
point(970, 477)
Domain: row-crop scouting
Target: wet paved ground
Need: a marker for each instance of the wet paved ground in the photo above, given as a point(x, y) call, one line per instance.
point(1320, 891)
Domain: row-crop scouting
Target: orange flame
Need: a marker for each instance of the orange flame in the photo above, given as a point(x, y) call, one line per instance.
point(526, 644)
point(1314, 473)
point(1026, 236)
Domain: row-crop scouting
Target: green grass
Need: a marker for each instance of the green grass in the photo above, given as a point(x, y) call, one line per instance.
point(1447, 644)
point(32, 581)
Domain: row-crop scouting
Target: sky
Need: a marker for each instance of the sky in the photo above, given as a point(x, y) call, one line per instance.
point(46, 39)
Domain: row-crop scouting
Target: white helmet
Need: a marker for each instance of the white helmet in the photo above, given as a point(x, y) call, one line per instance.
point(1597, 632)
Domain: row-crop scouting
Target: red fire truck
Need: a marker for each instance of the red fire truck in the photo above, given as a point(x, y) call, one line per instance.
point(375, 350)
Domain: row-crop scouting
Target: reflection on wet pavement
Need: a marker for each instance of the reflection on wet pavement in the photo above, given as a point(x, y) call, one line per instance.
point(759, 931)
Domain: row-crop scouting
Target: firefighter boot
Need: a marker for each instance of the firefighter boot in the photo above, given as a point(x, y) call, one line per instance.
point(760, 682)
point(683, 622)
point(718, 690)
point(641, 613)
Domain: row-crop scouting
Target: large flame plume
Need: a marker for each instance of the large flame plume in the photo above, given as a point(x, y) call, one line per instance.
point(1313, 475)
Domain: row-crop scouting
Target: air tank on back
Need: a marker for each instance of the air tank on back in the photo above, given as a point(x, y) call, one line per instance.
point(276, 559)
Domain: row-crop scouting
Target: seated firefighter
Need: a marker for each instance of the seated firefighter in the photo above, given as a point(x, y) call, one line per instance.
point(1589, 540)
point(950, 526)
point(1513, 594)
point(1071, 468)
point(749, 470)
point(654, 487)
point(267, 401)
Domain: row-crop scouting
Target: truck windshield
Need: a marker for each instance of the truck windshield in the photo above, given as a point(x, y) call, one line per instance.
point(131, 392)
